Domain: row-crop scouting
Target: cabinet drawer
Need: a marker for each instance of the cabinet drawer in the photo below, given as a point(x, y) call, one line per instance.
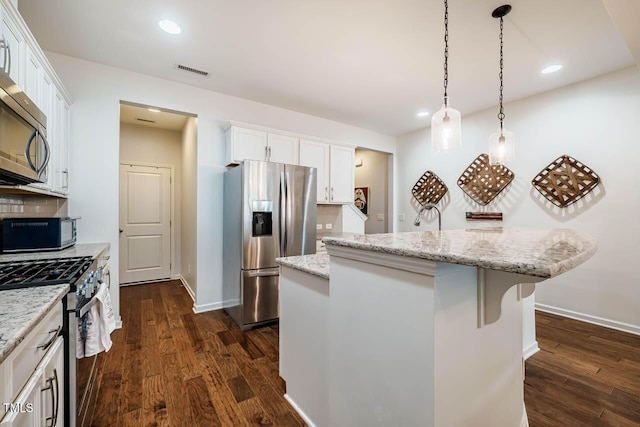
point(25, 358)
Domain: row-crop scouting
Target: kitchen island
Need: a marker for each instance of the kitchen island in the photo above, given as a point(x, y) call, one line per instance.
point(421, 328)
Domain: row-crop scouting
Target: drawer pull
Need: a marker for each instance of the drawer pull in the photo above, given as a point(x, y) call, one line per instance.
point(53, 338)
point(55, 398)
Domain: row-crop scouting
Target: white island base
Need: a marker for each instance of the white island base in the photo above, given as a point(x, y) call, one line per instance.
point(431, 344)
point(406, 341)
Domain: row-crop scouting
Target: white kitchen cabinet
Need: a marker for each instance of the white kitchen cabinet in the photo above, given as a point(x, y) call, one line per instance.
point(59, 142)
point(13, 52)
point(33, 71)
point(253, 144)
point(336, 170)
point(341, 174)
point(282, 149)
point(316, 155)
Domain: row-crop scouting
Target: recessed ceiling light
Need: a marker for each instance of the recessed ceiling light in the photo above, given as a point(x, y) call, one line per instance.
point(551, 69)
point(423, 114)
point(153, 110)
point(170, 27)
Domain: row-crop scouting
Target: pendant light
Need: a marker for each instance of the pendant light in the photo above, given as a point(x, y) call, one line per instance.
point(445, 124)
point(502, 142)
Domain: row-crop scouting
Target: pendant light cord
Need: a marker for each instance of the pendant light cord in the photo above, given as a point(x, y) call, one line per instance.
point(501, 113)
point(446, 46)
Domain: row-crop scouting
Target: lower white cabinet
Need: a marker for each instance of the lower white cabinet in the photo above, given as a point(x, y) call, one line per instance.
point(41, 401)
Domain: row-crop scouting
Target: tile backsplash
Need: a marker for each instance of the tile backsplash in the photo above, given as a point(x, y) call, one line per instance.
point(27, 206)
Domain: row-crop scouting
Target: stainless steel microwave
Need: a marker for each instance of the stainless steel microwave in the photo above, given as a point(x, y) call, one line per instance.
point(24, 150)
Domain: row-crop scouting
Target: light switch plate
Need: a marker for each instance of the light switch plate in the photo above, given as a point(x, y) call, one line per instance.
point(318, 226)
point(328, 226)
point(401, 217)
point(380, 217)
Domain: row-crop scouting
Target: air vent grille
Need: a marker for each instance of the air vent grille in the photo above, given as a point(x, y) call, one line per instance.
point(145, 120)
point(193, 70)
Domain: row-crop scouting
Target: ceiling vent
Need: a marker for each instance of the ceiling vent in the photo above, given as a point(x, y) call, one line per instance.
point(145, 120)
point(193, 70)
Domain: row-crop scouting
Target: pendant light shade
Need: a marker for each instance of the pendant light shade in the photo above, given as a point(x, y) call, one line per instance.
point(445, 128)
point(446, 123)
point(502, 144)
point(502, 147)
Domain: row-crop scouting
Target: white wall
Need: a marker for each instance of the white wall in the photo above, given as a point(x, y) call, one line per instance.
point(160, 147)
point(374, 174)
point(188, 208)
point(97, 91)
point(597, 122)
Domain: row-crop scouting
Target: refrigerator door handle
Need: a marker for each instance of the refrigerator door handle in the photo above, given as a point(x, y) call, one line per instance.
point(282, 214)
point(287, 211)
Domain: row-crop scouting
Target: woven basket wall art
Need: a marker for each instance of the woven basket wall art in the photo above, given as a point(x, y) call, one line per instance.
point(482, 181)
point(429, 188)
point(565, 181)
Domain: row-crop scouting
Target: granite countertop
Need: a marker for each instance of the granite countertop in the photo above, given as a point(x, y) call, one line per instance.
point(322, 235)
point(541, 253)
point(22, 309)
point(79, 250)
point(317, 264)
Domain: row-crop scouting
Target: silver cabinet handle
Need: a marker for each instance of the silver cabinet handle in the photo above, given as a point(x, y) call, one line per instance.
point(269, 153)
point(66, 179)
point(266, 153)
point(332, 194)
point(4, 46)
point(326, 193)
point(53, 338)
point(55, 398)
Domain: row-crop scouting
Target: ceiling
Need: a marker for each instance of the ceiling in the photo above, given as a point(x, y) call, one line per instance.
point(369, 63)
point(137, 115)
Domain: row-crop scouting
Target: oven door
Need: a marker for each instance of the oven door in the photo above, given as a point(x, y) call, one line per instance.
point(24, 151)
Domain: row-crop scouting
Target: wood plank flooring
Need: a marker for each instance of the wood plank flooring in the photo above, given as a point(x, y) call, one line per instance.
point(583, 375)
point(171, 367)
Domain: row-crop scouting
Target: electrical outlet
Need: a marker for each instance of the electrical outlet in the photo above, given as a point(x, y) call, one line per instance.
point(328, 226)
point(380, 217)
point(318, 226)
point(401, 217)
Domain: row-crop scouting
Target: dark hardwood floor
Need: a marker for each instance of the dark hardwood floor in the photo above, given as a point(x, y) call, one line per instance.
point(583, 375)
point(169, 366)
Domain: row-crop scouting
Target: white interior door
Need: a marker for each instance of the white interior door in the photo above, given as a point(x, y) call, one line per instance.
point(145, 213)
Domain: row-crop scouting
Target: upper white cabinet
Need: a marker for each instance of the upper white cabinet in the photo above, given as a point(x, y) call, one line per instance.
point(316, 155)
point(12, 46)
point(335, 164)
point(251, 144)
point(26, 64)
point(341, 174)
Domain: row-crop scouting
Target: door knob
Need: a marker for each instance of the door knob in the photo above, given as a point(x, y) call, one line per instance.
point(121, 230)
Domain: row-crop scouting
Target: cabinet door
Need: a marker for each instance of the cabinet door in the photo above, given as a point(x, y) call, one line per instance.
point(342, 174)
point(282, 149)
point(13, 55)
point(59, 139)
point(33, 69)
point(26, 410)
point(316, 154)
point(52, 390)
point(248, 144)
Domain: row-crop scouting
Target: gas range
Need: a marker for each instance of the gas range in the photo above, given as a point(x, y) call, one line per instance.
point(24, 274)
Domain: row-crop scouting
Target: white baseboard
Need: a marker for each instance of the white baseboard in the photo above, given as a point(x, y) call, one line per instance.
point(600, 321)
point(188, 288)
point(531, 350)
point(206, 307)
point(299, 411)
point(119, 323)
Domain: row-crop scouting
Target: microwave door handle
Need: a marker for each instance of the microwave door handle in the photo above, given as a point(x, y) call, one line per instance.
point(47, 155)
point(27, 151)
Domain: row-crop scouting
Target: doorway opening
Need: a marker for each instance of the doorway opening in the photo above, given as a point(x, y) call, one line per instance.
point(372, 194)
point(157, 195)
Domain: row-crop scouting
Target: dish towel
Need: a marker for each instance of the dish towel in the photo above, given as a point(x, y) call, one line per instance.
point(95, 327)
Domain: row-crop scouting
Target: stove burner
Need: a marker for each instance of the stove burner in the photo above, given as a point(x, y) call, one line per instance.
point(23, 274)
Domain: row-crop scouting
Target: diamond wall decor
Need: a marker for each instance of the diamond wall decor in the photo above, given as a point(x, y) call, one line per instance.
point(565, 181)
point(482, 181)
point(429, 188)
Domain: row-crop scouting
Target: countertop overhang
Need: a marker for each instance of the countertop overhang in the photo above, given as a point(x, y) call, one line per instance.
point(539, 253)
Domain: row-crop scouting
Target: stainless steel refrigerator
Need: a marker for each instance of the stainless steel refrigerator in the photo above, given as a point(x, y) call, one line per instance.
point(269, 212)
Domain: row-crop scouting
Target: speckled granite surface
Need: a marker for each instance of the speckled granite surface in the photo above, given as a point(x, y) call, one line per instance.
point(541, 253)
point(21, 310)
point(88, 249)
point(317, 264)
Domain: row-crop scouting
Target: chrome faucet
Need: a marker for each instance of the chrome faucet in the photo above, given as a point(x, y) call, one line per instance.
point(428, 206)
